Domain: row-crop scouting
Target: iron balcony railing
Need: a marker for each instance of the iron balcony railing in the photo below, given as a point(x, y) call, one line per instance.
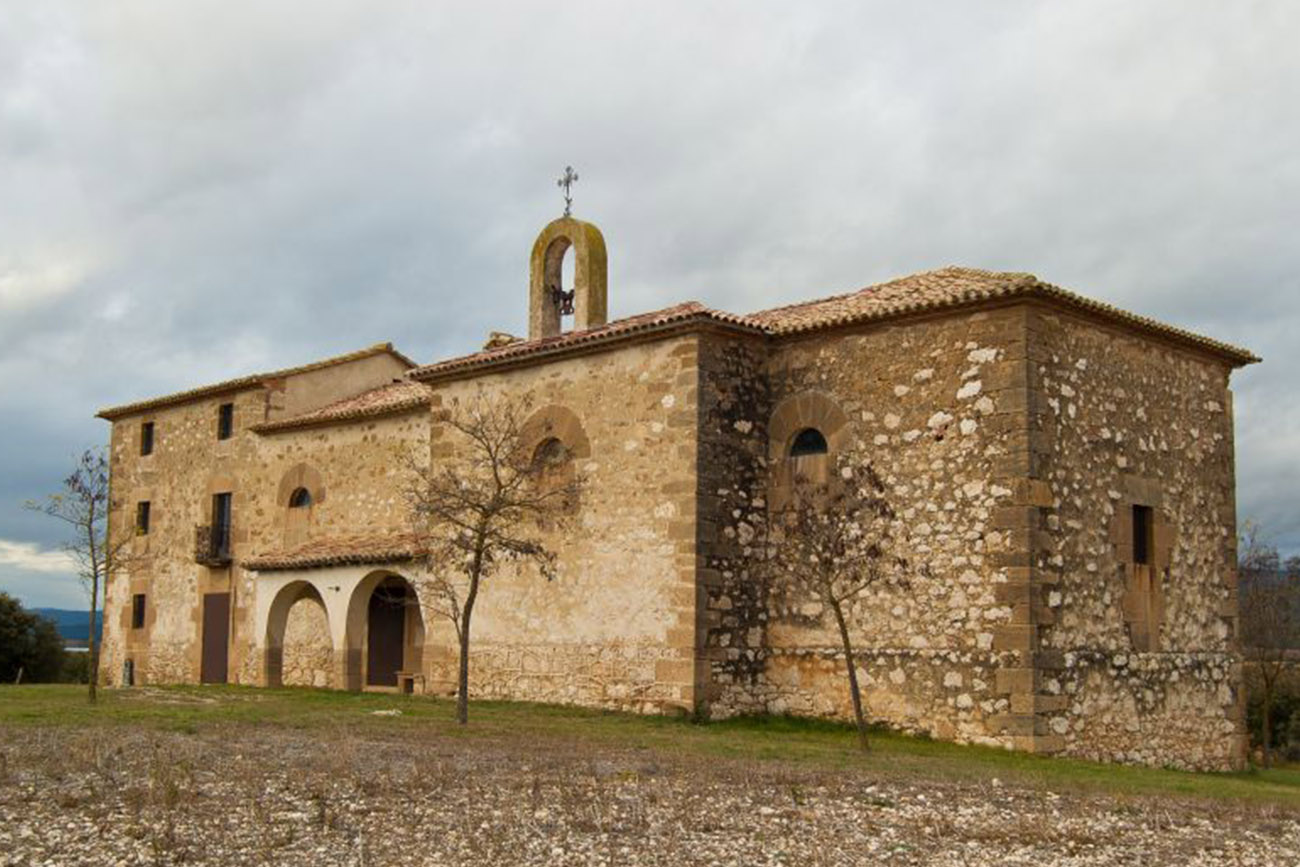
point(212, 544)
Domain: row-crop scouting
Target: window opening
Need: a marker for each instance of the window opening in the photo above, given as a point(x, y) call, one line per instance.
point(300, 498)
point(221, 526)
point(1142, 528)
point(146, 438)
point(142, 518)
point(137, 611)
point(808, 441)
point(225, 421)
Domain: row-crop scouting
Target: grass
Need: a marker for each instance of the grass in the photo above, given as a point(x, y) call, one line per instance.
point(815, 744)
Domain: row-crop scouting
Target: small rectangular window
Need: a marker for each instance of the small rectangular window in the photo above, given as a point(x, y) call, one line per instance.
point(221, 526)
point(142, 518)
point(1142, 528)
point(146, 438)
point(137, 611)
point(225, 421)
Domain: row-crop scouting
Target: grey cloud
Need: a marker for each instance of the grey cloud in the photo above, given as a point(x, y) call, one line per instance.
point(192, 191)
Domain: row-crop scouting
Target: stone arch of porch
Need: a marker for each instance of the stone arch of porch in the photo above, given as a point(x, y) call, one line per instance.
point(356, 639)
point(284, 601)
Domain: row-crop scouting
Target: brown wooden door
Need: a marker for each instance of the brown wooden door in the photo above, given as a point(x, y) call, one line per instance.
point(387, 634)
point(216, 637)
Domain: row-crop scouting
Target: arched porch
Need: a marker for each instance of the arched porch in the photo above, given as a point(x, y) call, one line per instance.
point(367, 626)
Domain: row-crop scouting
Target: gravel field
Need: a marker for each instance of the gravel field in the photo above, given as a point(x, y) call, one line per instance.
point(131, 795)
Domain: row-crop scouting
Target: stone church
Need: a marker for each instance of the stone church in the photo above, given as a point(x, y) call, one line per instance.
point(1064, 471)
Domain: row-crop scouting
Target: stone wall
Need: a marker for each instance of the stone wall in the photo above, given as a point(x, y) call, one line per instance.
point(308, 658)
point(1014, 441)
point(616, 628)
point(734, 407)
point(937, 406)
point(188, 465)
point(1120, 422)
point(354, 472)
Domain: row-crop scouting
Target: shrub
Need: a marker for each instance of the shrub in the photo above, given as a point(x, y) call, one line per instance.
point(1286, 713)
point(29, 644)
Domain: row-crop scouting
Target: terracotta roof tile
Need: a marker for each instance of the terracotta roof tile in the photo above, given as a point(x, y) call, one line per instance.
point(399, 396)
point(918, 293)
point(688, 311)
point(954, 286)
point(249, 381)
point(350, 550)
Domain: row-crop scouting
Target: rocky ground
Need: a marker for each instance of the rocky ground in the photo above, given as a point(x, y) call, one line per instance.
point(131, 795)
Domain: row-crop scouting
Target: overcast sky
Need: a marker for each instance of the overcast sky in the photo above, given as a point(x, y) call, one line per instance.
point(191, 191)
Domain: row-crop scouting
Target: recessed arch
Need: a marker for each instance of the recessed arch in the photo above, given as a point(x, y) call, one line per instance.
point(383, 602)
point(805, 433)
point(303, 476)
point(303, 599)
point(555, 422)
point(797, 413)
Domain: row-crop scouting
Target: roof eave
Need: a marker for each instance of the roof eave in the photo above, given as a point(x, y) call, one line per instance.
point(274, 427)
point(252, 380)
point(457, 369)
point(1234, 355)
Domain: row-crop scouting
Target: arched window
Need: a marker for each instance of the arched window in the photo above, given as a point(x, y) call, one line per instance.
point(300, 498)
point(549, 454)
point(550, 458)
point(808, 441)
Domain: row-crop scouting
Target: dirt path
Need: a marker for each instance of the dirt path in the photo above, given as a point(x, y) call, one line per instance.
point(279, 796)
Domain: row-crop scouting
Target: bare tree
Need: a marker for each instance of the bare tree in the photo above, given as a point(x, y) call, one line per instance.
point(1270, 623)
point(83, 504)
point(833, 540)
point(489, 501)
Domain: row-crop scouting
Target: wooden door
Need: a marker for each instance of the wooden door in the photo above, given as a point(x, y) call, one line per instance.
point(386, 636)
point(216, 637)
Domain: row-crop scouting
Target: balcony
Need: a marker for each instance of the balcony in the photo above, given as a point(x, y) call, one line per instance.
point(212, 545)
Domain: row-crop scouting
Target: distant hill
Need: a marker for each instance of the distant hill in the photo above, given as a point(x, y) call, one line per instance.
point(72, 624)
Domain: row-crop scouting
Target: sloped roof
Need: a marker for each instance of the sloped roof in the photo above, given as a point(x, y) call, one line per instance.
point(398, 396)
point(678, 314)
point(249, 381)
point(350, 550)
point(956, 286)
point(945, 288)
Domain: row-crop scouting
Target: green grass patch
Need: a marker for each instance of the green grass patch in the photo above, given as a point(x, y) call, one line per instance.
point(813, 744)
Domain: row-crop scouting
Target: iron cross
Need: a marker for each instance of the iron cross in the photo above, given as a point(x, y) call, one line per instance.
point(569, 179)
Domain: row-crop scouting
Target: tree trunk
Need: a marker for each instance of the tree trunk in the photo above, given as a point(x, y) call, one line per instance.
point(853, 676)
point(93, 663)
point(462, 685)
point(1268, 724)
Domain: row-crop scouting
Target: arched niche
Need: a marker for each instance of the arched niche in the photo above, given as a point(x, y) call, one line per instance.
point(301, 476)
point(589, 277)
point(555, 422)
point(300, 491)
point(805, 434)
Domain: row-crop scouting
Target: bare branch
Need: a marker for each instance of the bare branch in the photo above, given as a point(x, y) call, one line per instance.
point(488, 504)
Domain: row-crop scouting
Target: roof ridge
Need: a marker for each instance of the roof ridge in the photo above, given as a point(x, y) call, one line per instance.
point(626, 325)
point(251, 379)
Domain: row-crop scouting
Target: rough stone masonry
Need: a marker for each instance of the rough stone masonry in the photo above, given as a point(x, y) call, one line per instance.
point(1062, 472)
